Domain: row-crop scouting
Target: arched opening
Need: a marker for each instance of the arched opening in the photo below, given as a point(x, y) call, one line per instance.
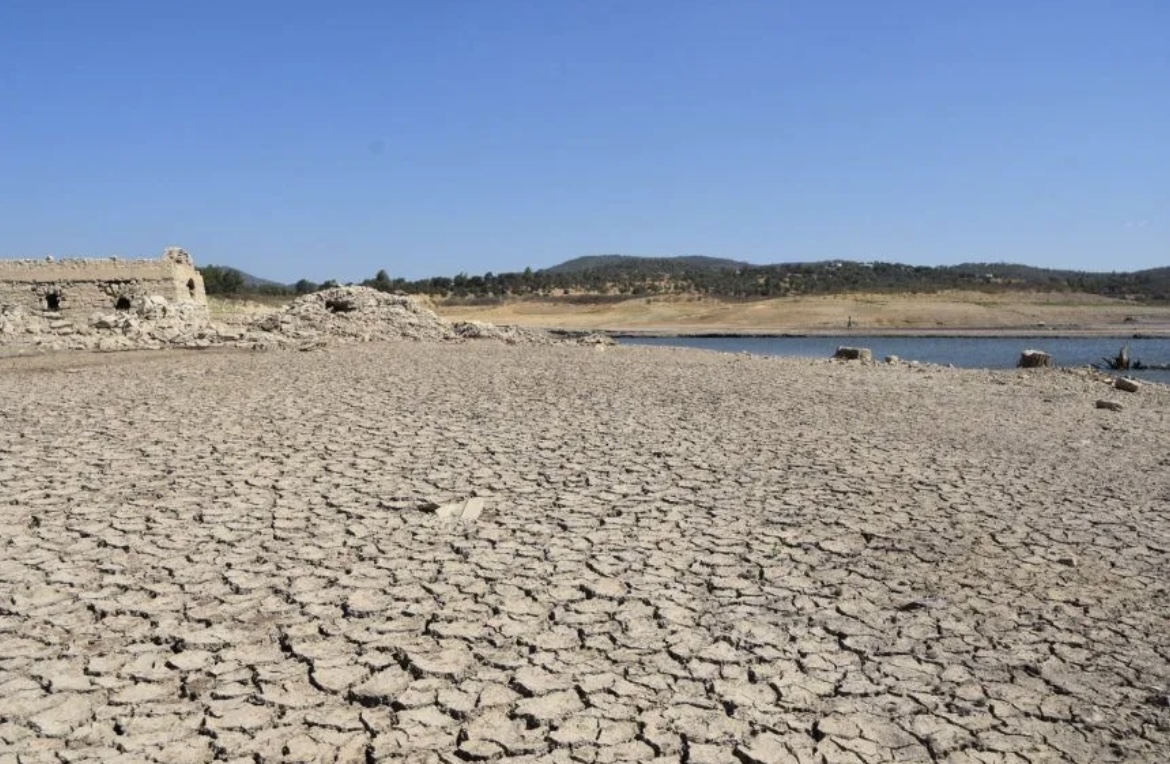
point(341, 305)
point(123, 303)
point(53, 301)
point(191, 287)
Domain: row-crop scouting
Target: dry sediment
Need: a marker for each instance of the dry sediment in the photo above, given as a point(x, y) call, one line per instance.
point(427, 552)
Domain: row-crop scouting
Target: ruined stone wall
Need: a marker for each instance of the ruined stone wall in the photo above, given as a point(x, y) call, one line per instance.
point(83, 286)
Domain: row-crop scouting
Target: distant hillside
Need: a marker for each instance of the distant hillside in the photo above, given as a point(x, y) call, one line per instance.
point(255, 282)
point(611, 277)
point(223, 279)
point(669, 265)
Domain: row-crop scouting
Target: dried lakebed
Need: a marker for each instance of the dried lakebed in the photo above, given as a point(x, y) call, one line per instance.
point(422, 552)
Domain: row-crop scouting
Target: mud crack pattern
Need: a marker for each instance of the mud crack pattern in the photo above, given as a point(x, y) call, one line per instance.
point(413, 552)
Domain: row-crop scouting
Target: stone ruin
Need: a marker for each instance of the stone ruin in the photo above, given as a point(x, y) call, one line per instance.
point(103, 304)
point(72, 289)
point(49, 305)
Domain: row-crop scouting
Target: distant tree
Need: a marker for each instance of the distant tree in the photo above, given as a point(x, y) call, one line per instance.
point(381, 282)
point(218, 279)
point(304, 286)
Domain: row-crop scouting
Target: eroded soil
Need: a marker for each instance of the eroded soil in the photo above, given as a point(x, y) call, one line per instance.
point(681, 557)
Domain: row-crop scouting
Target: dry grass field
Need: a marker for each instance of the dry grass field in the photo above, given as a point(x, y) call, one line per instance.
point(941, 312)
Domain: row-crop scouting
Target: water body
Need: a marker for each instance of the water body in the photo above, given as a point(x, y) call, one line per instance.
point(964, 352)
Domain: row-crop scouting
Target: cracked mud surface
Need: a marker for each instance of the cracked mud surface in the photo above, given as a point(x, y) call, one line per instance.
point(411, 552)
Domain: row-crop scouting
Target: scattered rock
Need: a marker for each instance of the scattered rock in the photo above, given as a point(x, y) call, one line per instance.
point(1110, 405)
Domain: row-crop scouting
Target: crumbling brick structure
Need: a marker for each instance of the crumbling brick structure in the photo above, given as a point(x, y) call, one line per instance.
point(82, 287)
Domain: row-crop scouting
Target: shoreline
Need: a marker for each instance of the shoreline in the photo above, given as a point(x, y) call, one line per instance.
point(949, 333)
point(958, 314)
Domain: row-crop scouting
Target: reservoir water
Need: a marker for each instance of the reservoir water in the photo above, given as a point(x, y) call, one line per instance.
point(965, 352)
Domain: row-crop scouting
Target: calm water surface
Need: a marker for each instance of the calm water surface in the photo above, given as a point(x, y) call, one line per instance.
point(966, 352)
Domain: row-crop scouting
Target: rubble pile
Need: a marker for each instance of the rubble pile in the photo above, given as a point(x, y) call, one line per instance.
point(512, 335)
point(349, 314)
point(150, 322)
point(338, 315)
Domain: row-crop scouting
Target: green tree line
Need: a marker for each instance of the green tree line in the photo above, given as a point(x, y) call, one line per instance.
point(622, 277)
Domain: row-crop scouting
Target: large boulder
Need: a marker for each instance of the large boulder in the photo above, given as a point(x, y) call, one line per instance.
point(854, 354)
point(1034, 359)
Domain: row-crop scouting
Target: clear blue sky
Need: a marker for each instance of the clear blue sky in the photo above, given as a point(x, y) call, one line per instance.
point(330, 139)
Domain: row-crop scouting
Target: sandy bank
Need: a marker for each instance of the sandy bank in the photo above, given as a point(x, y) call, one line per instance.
point(681, 556)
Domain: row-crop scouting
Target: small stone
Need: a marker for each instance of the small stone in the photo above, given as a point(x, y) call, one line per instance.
point(1034, 359)
point(472, 510)
point(854, 354)
point(1109, 405)
point(1127, 385)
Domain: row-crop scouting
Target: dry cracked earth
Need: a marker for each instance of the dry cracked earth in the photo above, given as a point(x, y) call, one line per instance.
point(429, 553)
